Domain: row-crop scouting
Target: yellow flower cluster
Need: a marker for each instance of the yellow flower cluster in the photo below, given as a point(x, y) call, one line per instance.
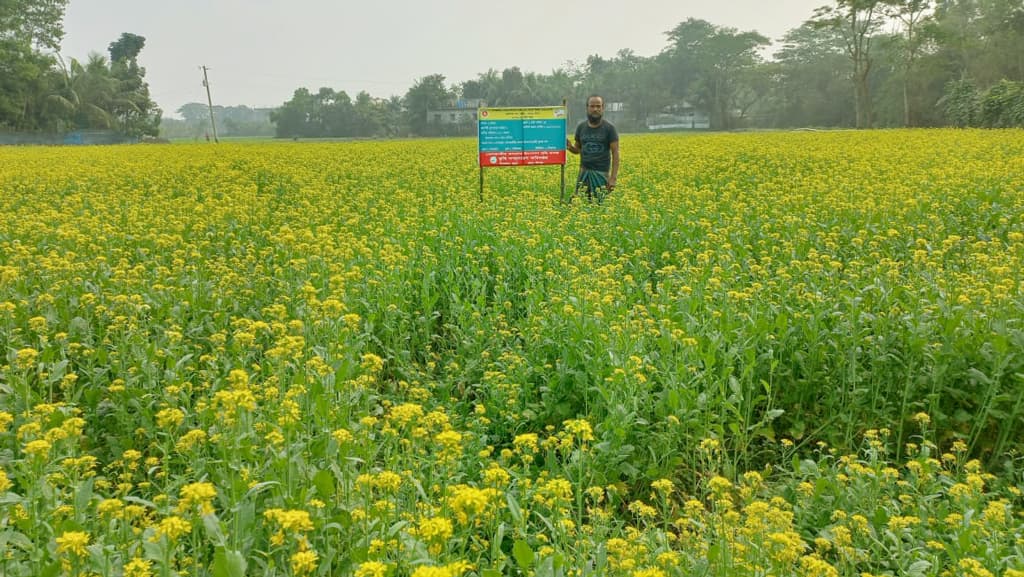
point(197, 497)
point(359, 362)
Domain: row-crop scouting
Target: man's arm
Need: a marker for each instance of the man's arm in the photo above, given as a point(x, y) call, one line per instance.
point(613, 177)
point(572, 147)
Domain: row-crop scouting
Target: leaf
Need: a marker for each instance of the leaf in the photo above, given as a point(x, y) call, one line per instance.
point(10, 498)
point(547, 568)
point(919, 568)
point(514, 509)
point(213, 530)
point(51, 570)
point(154, 550)
point(714, 553)
point(228, 563)
point(523, 554)
point(244, 521)
point(259, 487)
point(496, 542)
point(84, 495)
point(323, 480)
point(14, 539)
point(140, 501)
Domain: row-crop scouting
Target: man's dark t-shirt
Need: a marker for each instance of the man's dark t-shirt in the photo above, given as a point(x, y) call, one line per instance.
point(595, 145)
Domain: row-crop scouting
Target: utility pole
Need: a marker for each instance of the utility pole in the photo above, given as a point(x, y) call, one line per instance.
point(209, 102)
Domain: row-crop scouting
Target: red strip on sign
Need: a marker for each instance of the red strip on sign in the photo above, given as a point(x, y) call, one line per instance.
point(517, 158)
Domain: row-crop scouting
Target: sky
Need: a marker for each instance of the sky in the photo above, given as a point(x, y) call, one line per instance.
point(258, 52)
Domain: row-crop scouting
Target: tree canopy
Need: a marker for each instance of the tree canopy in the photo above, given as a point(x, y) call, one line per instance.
point(41, 91)
point(859, 63)
point(852, 63)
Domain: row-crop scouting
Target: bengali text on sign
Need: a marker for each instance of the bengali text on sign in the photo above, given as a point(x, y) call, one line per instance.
point(522, 136)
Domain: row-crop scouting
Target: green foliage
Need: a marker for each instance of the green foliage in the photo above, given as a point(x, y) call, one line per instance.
point(84, 96)
point(232, 121)
point(36, 23)
point(224, 362)
point(430, 93)
point(844, 66)
point(712, 63)
point(135, 111)
point(961, 103)
point(126, 48)
point(813, 86)
point(39, 92)
point(856, 22)
point(1002, 106)
point(328, 114)
point(24, 78)
point(28, 30)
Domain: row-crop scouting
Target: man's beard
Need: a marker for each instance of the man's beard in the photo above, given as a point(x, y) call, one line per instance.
point(594, 118)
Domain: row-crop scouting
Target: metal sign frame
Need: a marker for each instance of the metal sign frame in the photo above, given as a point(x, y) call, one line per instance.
point(522, 136)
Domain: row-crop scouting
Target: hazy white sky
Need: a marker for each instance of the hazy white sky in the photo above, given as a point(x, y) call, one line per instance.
point(259, 51)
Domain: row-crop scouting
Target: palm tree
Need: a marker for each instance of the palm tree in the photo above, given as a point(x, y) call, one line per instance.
point(85, 94)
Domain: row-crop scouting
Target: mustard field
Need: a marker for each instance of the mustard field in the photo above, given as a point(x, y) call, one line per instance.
point(763, 355)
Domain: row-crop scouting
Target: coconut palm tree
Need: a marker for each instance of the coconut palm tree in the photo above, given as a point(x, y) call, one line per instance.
point(85, 94)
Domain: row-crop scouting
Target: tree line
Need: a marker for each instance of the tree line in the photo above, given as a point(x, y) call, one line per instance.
point(40, 91)
point(852, 63)
point(231, 121)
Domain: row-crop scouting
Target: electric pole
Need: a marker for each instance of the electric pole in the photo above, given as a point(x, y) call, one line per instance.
point(209, 102)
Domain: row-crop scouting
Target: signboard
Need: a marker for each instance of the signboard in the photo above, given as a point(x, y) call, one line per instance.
point(521, 136)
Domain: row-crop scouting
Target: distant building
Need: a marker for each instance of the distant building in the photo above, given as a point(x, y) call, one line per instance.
point(615, 112)
point(682, 116)
point(461, 111)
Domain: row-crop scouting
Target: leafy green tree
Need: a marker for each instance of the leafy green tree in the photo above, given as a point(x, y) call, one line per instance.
point(293, 117)
point(985, 38)
point(394, 116)
point(516, 91)
point(550, 89)
point(333, 112)
point(908, 45)
point(30, 32)
point(39, 23)
point(722, 70)
point(968, 43)
point(753, 98)
point(486, 86)
point(646, 91)
point(136, 112)
point(1002, 106)
point(711, 61)
point(24, 82)
point(1004, 29)
point(955, 30)
point(472, 89)
point(811, 87)
point(961, 103)
point(369, 115)
point(426, 94)
point(633, 80)
point(231, 121)
point(126, 48)
point(857, 21)
point(85, 95)
point(197, 118)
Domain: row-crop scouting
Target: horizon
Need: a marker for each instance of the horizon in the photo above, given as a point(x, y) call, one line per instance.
point(381, 48)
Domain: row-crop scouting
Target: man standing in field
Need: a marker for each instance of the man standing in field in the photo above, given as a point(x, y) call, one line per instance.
point(597, 143)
